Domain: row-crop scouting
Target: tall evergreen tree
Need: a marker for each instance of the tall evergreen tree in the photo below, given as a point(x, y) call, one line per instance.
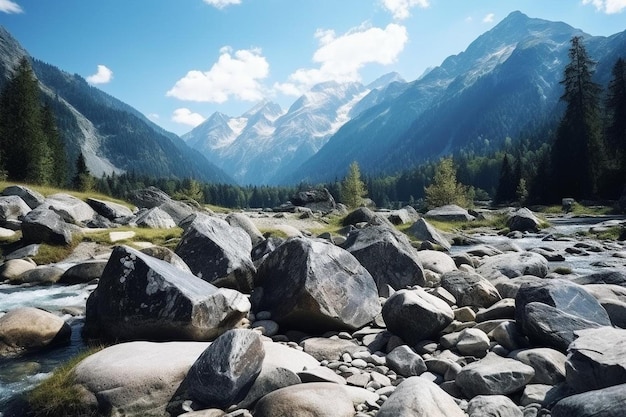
point(507, 184)
point(82, 181)
point(56, 146)
point(616, 112)
point(352, 188)
point(578, 152)
point(445, 189)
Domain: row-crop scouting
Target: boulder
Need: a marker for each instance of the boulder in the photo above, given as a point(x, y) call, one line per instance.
point(226, 370)
point(218, 253)
point(110, 210)
point(13, 268)
point(419, 397)
point(12, 208)
point(405, 362)
point(470, 289)
point(318, 199)
point(264, 248)
point(148, 197)
point(424, 231)
point(388, 256)
point(436, 261)
point(399, 217)
point(322, 348)
point(449, 213)
point(494, 375)
point(122, 378)
point(28, 329)
point(177, 210)
point(143, 298)
point(154, 218)
point(71, 209)
point(597, 359)
point(473, 342)
point(27, 251)
point(31, 197)
point(608, 402)
point(511, 265)
point(360, 215)
point(523, 220)
point(41, 275)
point(242, 221)
point(313, 285)
point(614, 276)
point(549, 364)
point(549, 312)
point(493, 406)
point(167, 255)
point(83, 272)
point(415, 315)
point(45, 226)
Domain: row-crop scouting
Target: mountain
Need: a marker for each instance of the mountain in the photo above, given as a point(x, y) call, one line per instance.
point(504, 84)
point(265, 144)
point(113, 136)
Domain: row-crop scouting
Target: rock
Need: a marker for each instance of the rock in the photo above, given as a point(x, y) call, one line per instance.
point(493, 406)
point(270, 379)
point(503, 309)
point(415, 315)
point(418, 397)
point(608, 402)
point(613, 276)
point(404, 361)
point(149, 197)
point(511, 265)
point(177, 210)
point(398, 217)
point(322, 348)
point(316, 399)
point(224, 372)
point(122, 378)
point(597, 359)
point(616, 310)
point(71, 209)
point(473, 342)
point(549, 364)
point(360, 215)
point(154, 218)
point(388, 256)
point(523, 220)
point(83, 272)
point(12, 208)
point(424, 231)
point(167, 255)
point(28, 329)
point(31, 197)
point(313, 285)
point(470, 289)
point(218, 253)
point(509, 336)
point(41, 275)
point(508, 288)
point(141, 297)
point(318, 199)
point(45, 226)
point(110, 210)
point(242, 221)
point(436, 261)
point(321, 374)
point(449, 213)
point(13, 268)
point(266, 247)
point(27, 251)
point(549, 312)
point(494, 375)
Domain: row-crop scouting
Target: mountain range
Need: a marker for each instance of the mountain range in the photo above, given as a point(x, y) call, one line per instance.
point(504, 85)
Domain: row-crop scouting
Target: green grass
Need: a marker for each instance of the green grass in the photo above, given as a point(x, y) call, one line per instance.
point(497, 221)
point(578, 209)
point(58, 396)
point(611, 233)
point(563, 270)
point(158, 237)
point(333, 225)
point(49, 254)
point(267, 233)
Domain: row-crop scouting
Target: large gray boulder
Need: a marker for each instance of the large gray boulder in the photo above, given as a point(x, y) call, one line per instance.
point(608, 402)
point(136, 379)
point(449, 213)
point(149, 197)
point(435, 261)
point(549, 364)
point(226, 370)
point(12, 208)
point(404, 361)
point(45, 226)
point(388, 256)
point(318, 199)
point(109, 209)
point(71, 209)
point(597, 359)
point(415, 315)
point(550, 312)
point(218, 253)
point(242, 221)
point(419, 397)
point(154, 218)
point(493, 406)
point(28, 329)
point(31, 197)
point(523, 220)
point(143, 298)
point(511, 265)
point(424, 231)
point(494, 375)
point(311, 284)
point(84, 272)
point(470, 289)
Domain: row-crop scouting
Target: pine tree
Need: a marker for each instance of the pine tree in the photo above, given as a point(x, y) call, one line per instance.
point(445, 189)
point(55, 144)
point(578, 152)
point(82, 181)
point(616, 112)
point(352, 188)
point(507, 183)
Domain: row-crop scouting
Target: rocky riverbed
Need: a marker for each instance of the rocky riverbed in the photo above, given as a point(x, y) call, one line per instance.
point(359, 323)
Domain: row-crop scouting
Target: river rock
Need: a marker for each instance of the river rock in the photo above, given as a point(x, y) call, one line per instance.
point(523, 220)
point(449, 213)
point(549, 312)
point(614, 276)
point(616, 310)
point(167, 255)
point(360, 215)
point(84, 272)
point(71, 209)
point(12, 208)
point(141, 297)
point(11, 269)
point(154, 218)
point(242, 221)
point(45, 226)
point(218, 253)
point(41, 275)
point(402, 216)
point(318, 199)
point(415, 315)
point(424, 231)
point(436, 261)
point(494, 375)
point(31, 197)
point(224, 372)
point(470, 289)
point(608, 402)
point(110, 210)
point(311, 284)
point(322, 348)
point(511, 265)
point(388, 256)
point(493, 406)
point(406, 362)
point(122, 378)
point(316, 399)
point(419, 397)
point(597, 359)
point(270, 379)
point(549, 364)
point(28, 329)
point(473, 342)
point(503, 309)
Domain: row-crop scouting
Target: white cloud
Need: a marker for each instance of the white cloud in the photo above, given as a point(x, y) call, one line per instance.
point(401, 9)
point(341, 57)
point(233, 75)
point(220, 4)
point(187, 117)
point(608, 6)
point(489, 18)
point(154, 116)
point(103, 76)
point(8, 6)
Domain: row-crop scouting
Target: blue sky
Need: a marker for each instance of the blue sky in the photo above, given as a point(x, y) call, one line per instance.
point(178, 61)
